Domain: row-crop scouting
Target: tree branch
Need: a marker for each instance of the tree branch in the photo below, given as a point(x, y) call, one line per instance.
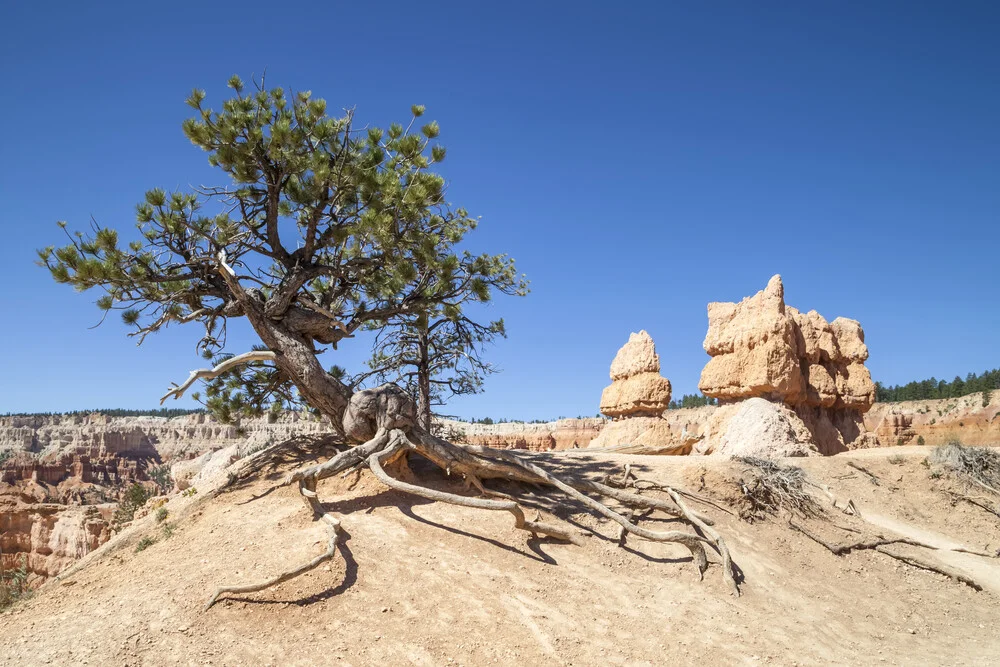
point(210, 373)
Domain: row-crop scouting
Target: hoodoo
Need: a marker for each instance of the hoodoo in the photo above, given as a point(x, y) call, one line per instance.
point(635, 401)
point(761, 348)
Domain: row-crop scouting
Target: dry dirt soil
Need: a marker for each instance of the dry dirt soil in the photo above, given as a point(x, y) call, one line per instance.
point(425, 583)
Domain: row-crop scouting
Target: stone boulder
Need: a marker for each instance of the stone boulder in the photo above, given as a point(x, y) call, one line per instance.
point(764, 429)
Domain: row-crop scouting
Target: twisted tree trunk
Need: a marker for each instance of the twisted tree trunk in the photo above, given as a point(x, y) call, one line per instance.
point(423, 381)
point(387, 425)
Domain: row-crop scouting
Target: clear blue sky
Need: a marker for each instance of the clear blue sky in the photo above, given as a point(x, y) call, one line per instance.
point(637, 159)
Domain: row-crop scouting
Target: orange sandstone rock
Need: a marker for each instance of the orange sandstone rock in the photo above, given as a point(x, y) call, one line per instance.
point(761, 348)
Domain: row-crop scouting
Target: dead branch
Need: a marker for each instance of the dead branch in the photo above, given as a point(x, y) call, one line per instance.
point(872, 477)
point(975, 466)
point(210, 373)
point(848, 508)
point(768, 487)
point(978, 501)
point(879, 543)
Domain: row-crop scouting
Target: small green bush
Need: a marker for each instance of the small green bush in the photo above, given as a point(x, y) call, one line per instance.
point(134, 498)
point(921, 441)
point(161, 476)
point(161, 515)
point(145, 543)
point(190, 491)
point(14, 584)
point(168, 530)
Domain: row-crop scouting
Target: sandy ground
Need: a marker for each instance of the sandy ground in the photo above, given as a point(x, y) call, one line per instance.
point(421, 583)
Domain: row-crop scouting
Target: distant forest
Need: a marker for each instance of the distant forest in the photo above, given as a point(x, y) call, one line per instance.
point(933, 388)
point(112, 412)
point(692, 401)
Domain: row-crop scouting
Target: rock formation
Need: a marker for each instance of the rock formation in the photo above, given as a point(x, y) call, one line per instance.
point(635, 401)
point(762, 348)
point(61, 475)
point(637, 389)
point(49, 536)
point(539, 437)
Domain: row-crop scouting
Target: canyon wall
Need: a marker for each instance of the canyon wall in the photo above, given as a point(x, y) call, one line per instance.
point(61, 476)
point(544, 437)
point(937, 422)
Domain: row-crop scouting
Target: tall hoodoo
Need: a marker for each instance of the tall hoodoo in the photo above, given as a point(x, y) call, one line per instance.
point(635, 401)
point(637, 389)
point(762, 348)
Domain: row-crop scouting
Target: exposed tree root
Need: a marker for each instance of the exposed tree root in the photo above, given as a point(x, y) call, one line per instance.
point(879, 543)
point(475, 464)
point(925, 565)
point(978, 501)
point(628, 479)
point(520, 522)
point(308, 490)
point(872, 477)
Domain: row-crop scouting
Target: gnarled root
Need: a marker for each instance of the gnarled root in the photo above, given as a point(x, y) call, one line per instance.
point(881, 544)
point(480, 463)
point(534, 527)
point(307, 487)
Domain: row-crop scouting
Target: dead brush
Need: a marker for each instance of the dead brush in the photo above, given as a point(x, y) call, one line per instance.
point(768, 487)
point(974, 466)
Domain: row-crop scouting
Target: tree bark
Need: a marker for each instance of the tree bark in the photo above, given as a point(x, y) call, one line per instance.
point(423, 380)
point(295, 357)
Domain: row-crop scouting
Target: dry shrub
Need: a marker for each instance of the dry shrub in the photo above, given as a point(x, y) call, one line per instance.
point(768, 487)
point(975, 466)
point(14, 584)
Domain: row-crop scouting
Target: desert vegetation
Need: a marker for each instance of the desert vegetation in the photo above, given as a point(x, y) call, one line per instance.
point(132, 500)
point(323, 228)
point(14, 584)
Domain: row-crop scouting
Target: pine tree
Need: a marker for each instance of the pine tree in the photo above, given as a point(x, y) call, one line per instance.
point(320, 229)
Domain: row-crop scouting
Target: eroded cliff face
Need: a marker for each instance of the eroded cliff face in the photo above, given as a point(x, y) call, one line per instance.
point(50, 537)
point(549, 436)
point(761, 348)
point(62, 476)
point(937, 422)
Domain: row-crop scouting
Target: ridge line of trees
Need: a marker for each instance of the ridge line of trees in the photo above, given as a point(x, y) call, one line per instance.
point(933, 388)
point(113, 412)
